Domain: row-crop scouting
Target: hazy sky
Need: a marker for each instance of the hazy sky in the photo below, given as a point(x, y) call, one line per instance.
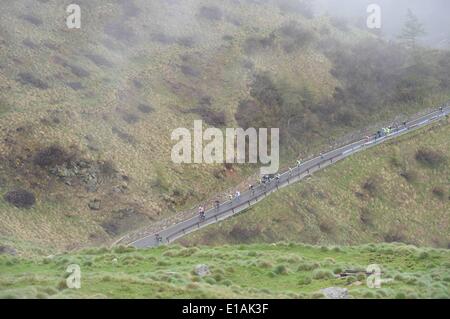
point(434, 14)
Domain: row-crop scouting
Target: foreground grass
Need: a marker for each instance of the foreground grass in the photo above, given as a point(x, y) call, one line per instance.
point(261, 271)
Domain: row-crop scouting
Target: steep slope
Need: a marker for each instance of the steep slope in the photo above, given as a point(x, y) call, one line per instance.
point(398, 191)
point(86, 115)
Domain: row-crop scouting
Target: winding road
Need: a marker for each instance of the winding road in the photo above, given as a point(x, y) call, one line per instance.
point(259, 192)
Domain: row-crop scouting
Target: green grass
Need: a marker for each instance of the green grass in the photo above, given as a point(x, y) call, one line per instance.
point(259, 271)
point(382, 194)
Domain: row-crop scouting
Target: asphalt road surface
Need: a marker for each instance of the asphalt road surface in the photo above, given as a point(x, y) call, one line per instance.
point(260, 191)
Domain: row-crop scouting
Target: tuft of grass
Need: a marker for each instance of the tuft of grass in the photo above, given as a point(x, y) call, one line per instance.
point(281, 270)
point(147, 273)
point(322, 274)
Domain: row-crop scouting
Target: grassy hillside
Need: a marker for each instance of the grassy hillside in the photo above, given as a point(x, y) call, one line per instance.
point(398, 191)
point(86, 115)
point(258, 271)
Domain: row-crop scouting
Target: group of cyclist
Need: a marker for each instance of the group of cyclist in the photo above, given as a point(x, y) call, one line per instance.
point(264, 180)
point(383, 132)
point(267, 179)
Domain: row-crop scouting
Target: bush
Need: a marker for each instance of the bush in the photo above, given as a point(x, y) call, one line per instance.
point(281, 270)
point(307, 266)
point(211, 13)
point(296, 37)
point(28, 78)
point(361, 277)
point(20, 198)
point(119, 32)
point(62, 285)
point(213, 118)
point(350, 279)
point(400, 295)
point(75, 85)
point(410, 175)
point(430, 157)
point(393, 236)
point(366, 216)
point(439, 192)
point(30, 44)
point(337, 270)
point(227, 282)
point(423, 255)
point(137, 84)
point(305, 281)
point(130, 118)
point(162, 38)
point(190, 71)
point(326, 226)
point(303, 8)
point(316, 295)
point(32, 19)
point(372, 186)
point(127, 138)
point(129, 8)
point(162, 263)
point(218, 277)
point(256, 44)
point(187, 42)
point(244, 233)
point(51, 156)
point(123, 249)
point(322, 274)
point(49, 290)
point(265, 91)
point(417, 82)
point(99, 60)
point(247, 114)
point(340, 23)
point(77, 70)
point(144, 108)
point(369, 294)
point(210, 280)
point(265, 264)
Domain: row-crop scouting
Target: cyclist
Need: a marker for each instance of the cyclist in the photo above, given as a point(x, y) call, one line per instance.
point(158, 238)
point(263, 182)
point(299, 162)
point(201, 212)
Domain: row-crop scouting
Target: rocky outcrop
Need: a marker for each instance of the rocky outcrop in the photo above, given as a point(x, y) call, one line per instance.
point(201, 270)
point(335, 293)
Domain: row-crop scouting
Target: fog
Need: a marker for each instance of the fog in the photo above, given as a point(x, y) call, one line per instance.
point(434, 14)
